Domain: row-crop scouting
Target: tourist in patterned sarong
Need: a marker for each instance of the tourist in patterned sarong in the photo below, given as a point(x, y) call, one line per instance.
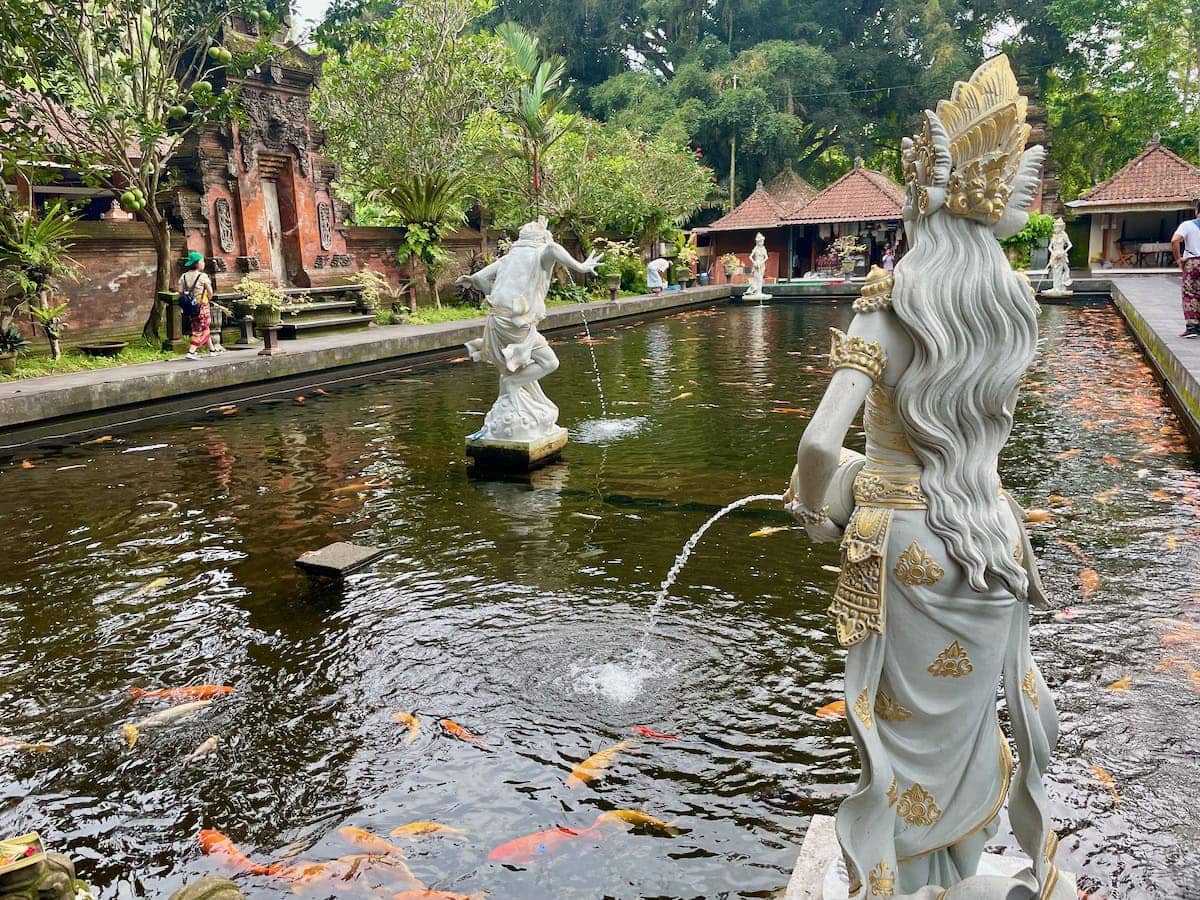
point(1186, 246)
point(193, 281)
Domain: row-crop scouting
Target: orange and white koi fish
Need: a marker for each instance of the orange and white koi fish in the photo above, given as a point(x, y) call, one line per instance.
point(183, 694)
point(131, 730)
point(452, 728)
point(651, 733)
point(526, 849)
point(200, 752)
point(592, 767)
point(411, 722)
point(834, 710)
point(421, 829)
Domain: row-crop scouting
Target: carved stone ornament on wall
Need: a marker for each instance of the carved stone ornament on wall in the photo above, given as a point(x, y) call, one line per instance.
point(275, 122)
point(340, 261)
point(325, 225)
point(248, 263)
point(225, 226)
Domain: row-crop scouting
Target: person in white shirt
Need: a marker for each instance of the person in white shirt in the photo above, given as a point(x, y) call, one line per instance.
point(656, 271)
point(1186, 246)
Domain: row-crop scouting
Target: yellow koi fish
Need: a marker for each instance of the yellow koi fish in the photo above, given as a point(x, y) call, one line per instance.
point(411, 722)
point(360, 837)
point(1121, 684)
point(150, 588)
point(421, 829)
point(686, 395)
point(591, 768)
point(1107, 780)
point(767, 532)
point(637, 819)
point(200, 752)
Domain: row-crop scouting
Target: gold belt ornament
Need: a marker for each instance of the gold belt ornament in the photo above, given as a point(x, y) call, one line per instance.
point(888, 492)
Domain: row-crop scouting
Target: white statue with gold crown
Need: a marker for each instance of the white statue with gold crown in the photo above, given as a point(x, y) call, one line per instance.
point(932, 603)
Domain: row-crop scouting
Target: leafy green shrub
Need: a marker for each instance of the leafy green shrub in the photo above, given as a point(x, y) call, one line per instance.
point(1020, 246)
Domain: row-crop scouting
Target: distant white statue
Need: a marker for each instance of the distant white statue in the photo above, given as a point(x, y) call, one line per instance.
point(758, 260)
point(938, 576)
point(516, 286)
point(1060, 262)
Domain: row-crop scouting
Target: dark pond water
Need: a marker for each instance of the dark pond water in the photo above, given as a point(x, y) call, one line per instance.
point(513, 609)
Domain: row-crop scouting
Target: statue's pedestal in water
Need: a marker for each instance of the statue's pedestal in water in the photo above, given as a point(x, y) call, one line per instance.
point(820, 873)
point(516, 456)
point(1052, 294)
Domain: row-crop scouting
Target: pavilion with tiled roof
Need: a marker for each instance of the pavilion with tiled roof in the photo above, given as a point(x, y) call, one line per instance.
point(799, 222)
point(1134, 213)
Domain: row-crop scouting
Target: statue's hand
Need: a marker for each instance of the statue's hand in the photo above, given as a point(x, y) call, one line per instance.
point(465, 281)
point(589, 265)
point(824, 532)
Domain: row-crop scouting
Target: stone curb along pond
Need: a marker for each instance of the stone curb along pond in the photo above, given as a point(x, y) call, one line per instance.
point(27, 402)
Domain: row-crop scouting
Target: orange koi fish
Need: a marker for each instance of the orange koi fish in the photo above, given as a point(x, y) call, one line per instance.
point(834, 710)
point(1121, 684)
point(183, 694)
point(651, 733)
point(1107, 780)
point(1039, 516)
point(591, 768)
point(455, 730)
point(1089, 580)
point(213, 843)
point(1068, 454)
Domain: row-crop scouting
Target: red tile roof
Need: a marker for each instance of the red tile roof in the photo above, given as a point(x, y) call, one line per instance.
point(759, 210)
point(1157, 177)
point(789, 190)
point(861, 195)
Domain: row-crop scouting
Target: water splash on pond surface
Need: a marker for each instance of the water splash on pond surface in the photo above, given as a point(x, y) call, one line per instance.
point(601, 431)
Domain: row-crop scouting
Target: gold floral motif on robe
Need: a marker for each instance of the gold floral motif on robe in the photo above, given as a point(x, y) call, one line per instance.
point(952, 662)
point(916, 568)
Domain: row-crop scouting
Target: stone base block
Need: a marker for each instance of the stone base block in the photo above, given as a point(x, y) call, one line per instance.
point(758, 297)
point(820, 873)
point(516, 456)
point(338, 560)
point(1056, 295)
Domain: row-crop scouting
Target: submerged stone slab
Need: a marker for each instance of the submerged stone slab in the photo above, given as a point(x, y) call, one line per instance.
point(517, 456)
point(338, 560)
point(820, 873)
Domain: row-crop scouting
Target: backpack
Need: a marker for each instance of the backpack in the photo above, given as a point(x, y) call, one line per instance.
point(187, 299)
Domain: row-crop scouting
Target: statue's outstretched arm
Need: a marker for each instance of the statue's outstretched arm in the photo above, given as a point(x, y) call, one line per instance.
point(556, 253)
point(483, 279)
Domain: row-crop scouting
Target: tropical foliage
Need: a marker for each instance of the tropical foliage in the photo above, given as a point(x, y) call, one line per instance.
point(114, 88)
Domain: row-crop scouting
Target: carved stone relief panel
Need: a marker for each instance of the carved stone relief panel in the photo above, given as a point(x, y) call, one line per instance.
point(225, 236)
point(325, 225)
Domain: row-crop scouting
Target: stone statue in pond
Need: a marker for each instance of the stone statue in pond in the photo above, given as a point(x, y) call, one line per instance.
point(516, 286)
point(1060, 261)
point(758, 260)
point(937, 578)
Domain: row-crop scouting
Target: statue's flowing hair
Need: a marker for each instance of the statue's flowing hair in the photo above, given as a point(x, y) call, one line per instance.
point(973, 323)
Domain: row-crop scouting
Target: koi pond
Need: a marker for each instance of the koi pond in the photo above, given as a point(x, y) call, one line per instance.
point(164, 558)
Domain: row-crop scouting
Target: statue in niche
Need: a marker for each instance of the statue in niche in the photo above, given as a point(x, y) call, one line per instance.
point(516, 286)
point(1060, 261)
point(758, 262)
point(932, 603)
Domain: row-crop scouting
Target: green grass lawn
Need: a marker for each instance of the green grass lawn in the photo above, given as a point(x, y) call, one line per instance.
point(73, 360)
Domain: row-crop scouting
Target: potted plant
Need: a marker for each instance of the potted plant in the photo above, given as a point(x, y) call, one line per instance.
point(265, 301)
point(685, 262)
point(375, 290)
point(12, 345)
point(730, 262)
point(620, 257)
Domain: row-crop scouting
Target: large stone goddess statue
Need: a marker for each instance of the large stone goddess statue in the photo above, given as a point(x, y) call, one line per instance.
point(932, 603)
point(516, 286)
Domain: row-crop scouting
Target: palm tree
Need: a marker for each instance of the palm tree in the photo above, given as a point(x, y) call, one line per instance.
point(536, 106)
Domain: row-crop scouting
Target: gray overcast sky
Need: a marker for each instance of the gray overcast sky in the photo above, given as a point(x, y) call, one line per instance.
point(309, 12)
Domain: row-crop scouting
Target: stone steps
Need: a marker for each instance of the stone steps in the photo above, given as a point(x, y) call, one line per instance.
point(296, 325)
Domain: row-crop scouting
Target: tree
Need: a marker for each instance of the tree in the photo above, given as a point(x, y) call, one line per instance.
point(534, 109)
point(403, 115)
point(113, 89)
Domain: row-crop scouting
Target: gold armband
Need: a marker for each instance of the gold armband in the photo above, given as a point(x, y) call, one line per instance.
point(876, 294)
point(855, 353)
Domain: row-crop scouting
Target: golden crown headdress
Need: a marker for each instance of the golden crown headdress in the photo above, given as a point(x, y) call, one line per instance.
point(970, 157)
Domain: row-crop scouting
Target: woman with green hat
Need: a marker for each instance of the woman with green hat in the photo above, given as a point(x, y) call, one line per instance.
point(193, 281)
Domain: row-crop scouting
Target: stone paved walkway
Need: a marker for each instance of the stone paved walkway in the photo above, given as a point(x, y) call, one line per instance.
point(1151, 304)
point(37, 400)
